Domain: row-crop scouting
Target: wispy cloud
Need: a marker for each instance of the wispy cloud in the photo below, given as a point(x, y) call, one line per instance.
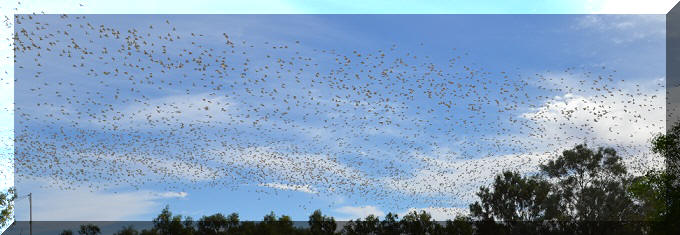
point(301, 188)
point(460, 179)
point(84, 204)
point(439, 213)
point(153, 167)
point(624, 28)
point(266, 164)
point(356, 212)
point(172, 194)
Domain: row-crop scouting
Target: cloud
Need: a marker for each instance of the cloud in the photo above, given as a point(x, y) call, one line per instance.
point(460, 179)
point(301, 188)
point(173, 110)
point(6, 172)
point(625, 116)
point(140, 167)
point(353, 212)
point(439, 213)
point(266, 164)
point(626, 119)
point(172, 195)
point(625, 28)
point(632, 6)
point(83, 204)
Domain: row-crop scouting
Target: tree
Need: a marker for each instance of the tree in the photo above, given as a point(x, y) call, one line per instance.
point(368, 226)
point(650, 191)
point(213, 225)
point(67, 232)
point(415, 223)
point(321, 224)
point(89, 229)
point(668, 145)
point(390, 225)
point(232, 221)
point(128, 230)
point(7, 205)
point(592, 185)
point(167, 224)
point(515, 198)
point(284, 225)
point(659, 191)
point(583, 190)
point(459, 226)
point(271, 225)
point(517, 203)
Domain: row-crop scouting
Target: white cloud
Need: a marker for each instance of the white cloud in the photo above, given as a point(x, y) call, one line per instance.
point(123, 169)
point(172, 194)
point(146, 166)
point(439, 213)
point(301, 188)
point(172, 110)
point(625, 122)
point(625, 28)
point(631, 6)
point(625, 116)
point(6, 173)
point(266, 164)
point(83, 204)
point(353, 212)
point(460, 179)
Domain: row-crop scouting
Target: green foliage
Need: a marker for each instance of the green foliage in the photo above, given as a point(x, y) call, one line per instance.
point(592, 185)
point(218, 224)
point(167, 224)
point(419, 223)
point(66, 232)
point(367, 226)
point(213, 225)
point(459, 226)
point(659, 191)
point(582, 164)
point(129, 230)
point(7, 205)
point(390, 225)
point(321, 224)
point(583, 190)
point(89, 229)
point(650, 191)
point(514, 198)
point(668, 145)
point(412, 223)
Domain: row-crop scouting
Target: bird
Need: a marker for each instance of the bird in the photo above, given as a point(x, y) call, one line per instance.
point(164, 104)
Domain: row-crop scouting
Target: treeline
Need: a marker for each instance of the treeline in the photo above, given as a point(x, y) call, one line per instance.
point(583, 191)
point(168, 224)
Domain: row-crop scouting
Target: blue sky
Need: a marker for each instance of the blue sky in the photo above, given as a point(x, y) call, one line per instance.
point(350, 6)
point(519, 44)
point(513, 43)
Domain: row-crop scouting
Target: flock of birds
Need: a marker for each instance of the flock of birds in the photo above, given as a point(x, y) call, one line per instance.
point(109, 106)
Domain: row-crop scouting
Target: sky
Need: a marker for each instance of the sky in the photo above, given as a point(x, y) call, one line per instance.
point(524, 45)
